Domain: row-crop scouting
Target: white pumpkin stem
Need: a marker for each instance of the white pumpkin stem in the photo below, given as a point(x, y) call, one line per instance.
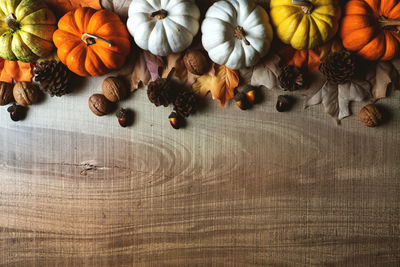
point(385, 22)
point(305, 5)
point(160, 14)
point(11, 22)
point(90, 39)
point(240, 34)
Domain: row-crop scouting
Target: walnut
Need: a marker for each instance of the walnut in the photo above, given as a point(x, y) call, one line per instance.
point(114, 89)
point(196, 62)
point(98, 104)
point(25, 93)
point(370, 115)
point(6, 93)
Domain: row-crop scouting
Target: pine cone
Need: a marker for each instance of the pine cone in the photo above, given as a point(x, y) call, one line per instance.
point(53, 77)
point(163, 91)
point(186, 103)
point(291, 78)
point(339, 67)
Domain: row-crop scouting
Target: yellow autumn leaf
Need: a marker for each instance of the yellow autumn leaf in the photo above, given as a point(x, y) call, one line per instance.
point(222, 86)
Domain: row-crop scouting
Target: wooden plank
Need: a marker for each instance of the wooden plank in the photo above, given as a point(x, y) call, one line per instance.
point(254, 188)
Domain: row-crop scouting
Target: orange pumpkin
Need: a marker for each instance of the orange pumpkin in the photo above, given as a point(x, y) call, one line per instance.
point(91, 42)
point(371, 28)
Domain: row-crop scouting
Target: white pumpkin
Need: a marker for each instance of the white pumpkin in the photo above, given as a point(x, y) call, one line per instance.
point(163, 27)
point(236, 33)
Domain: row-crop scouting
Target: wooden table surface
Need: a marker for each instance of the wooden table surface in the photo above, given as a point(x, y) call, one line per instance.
point(234, 188)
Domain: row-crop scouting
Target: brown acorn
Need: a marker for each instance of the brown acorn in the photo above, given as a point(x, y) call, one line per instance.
point(175, 120)
point(123, 115)
point(251, 95)
point(241, 101)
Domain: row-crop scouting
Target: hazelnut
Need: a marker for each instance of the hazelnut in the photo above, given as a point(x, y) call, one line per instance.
point(370, 115)
point(114, 89)
point(196, 62)
point(25, 93)
point(6, 93)
point(98, 104)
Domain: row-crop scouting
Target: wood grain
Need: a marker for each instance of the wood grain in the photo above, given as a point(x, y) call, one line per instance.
point(234, 188)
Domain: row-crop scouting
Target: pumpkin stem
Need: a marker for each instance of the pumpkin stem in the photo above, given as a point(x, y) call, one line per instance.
point(12, 23)
point(240, 34)
point(385, 22)
point(90, 39)
point(160, 14)
point(305, 5)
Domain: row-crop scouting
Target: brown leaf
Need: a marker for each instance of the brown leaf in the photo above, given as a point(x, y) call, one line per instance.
point(266, 72)
point(60, 7)
point(140, 74)
point(176, 61)
point(117, 6)
point(222, 86)
point(336, 98)
point(386, 76)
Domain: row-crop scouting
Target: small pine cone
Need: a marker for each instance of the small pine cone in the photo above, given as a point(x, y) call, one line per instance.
point(186, 103)
point(53, 77)
point(162, 92)
point(291, 78)
point(339, 67)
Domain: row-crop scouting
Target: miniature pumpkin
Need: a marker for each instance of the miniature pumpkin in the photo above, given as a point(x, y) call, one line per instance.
point(26, 30)
point(305, 24)
point(372, 28)
point(91, 42)
point(236, 33)
point(163, 27)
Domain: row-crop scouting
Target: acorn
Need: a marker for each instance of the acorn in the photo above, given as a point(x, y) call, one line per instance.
point(283, 103)
point(175, 120)
point(241, 101)
point(251, 95)
point(17, 112)
point(123, 116)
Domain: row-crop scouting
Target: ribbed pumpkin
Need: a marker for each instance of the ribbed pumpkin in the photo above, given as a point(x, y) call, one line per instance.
point(305, 24)
point(26, 30)
point(91, 42)
point(372, 28)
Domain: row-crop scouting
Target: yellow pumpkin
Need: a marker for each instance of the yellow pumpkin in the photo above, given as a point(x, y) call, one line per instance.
point(305, 24)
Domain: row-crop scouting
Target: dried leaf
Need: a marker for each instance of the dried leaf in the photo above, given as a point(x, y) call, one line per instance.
point(229, 80)
point(117, 6)
point(204, 84)
point(176, 61)
point(266, 72)
point(15, 70)
point(155, 64)
point(222, 86)
point(336, 98)
point(245, 75)
point(385, 77)
point(140, 74)
point(60, 7)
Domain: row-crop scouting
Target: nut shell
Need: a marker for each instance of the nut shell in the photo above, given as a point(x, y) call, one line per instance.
point(98, 104)
point(6, 93)
point(25, 93)
point(196, 62)
point(114, 89)
point(370, 115)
